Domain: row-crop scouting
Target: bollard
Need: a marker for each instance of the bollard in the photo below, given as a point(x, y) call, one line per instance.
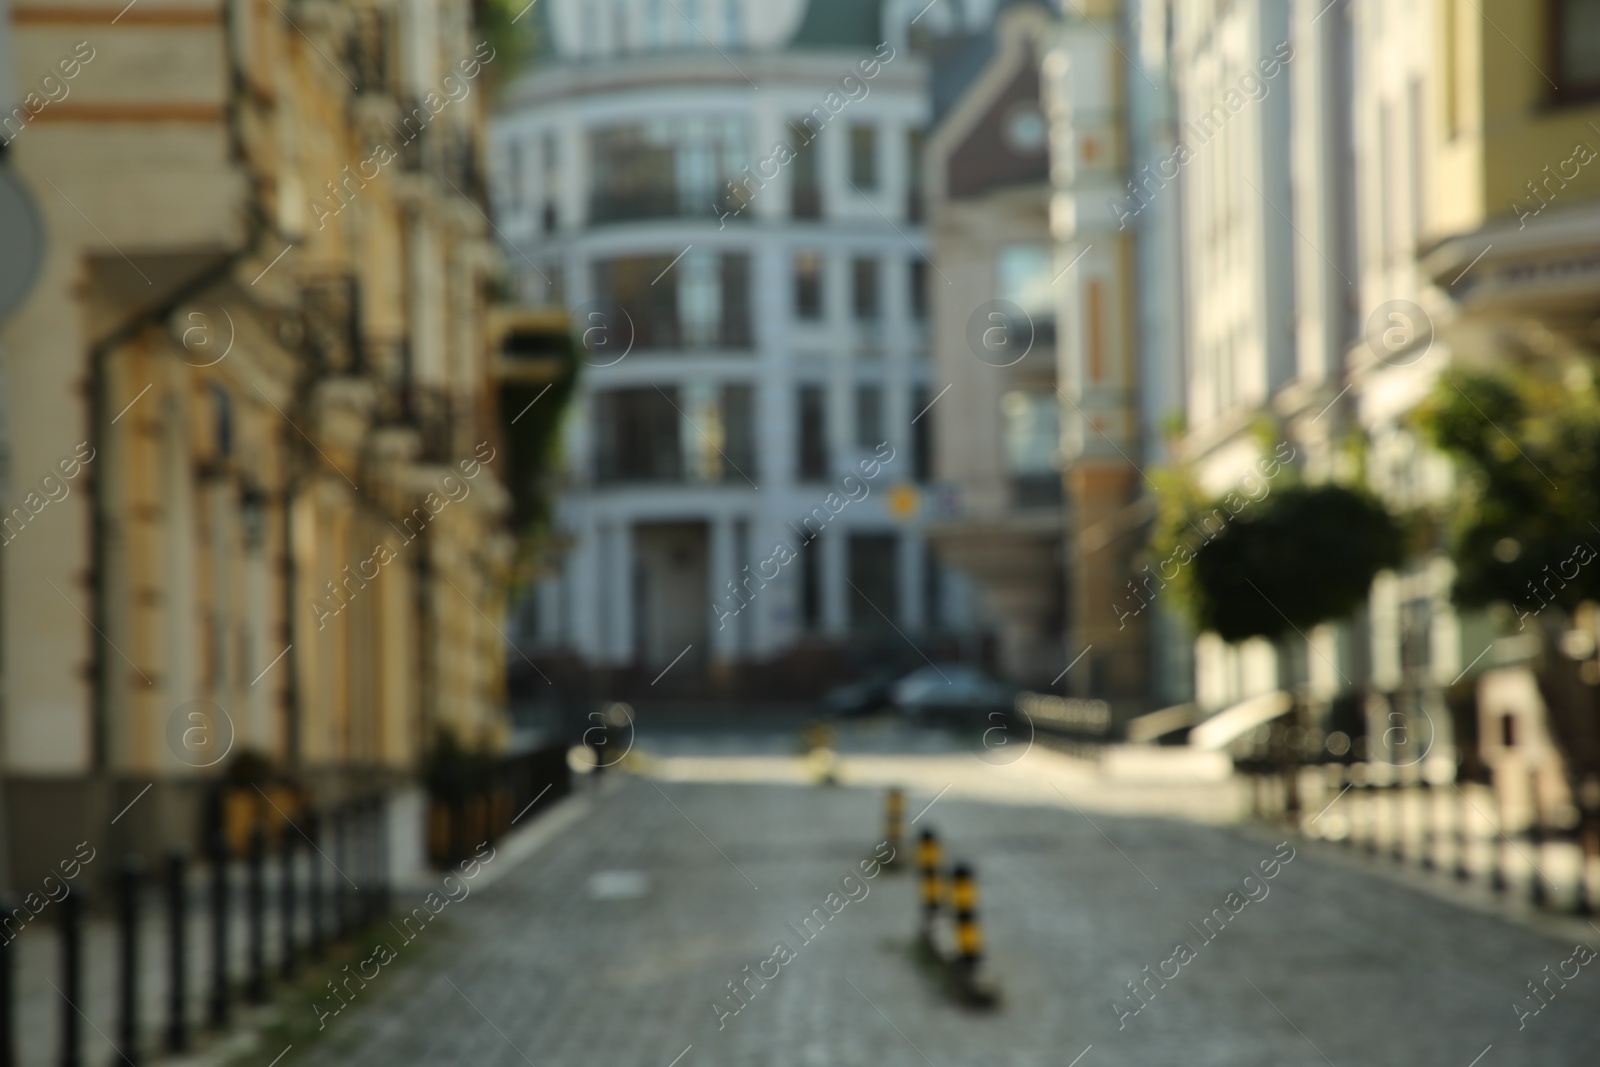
point(129, 879)
point(217, 1012)
point(71, 979)
point(256, 916)
point(8, 988)
point(177, 916)
point(894, 811)
point(964, 904)
point(314, 885)
point(928, 857)
point(286, 901)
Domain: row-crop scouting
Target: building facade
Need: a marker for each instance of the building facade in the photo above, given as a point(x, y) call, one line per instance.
point(254, 503)
point(994, 340)
point(728, 199)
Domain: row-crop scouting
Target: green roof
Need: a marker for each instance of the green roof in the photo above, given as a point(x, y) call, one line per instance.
point(840, 24)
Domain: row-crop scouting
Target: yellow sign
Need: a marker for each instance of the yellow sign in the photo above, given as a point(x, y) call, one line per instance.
point(903, 502)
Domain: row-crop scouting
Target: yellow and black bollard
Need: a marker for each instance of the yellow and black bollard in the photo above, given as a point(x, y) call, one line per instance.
point(894, 812)
point(969, 939)
point(928, 856)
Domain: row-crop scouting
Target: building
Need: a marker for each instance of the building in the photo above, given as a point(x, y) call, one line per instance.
point(994, 337)
point(728, 199)
point(254, 504)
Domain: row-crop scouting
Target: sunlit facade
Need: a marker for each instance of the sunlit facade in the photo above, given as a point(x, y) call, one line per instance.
point(746, 269)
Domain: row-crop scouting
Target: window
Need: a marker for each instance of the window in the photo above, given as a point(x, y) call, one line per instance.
point(914, 150)
point(805, 184)
point(875, 576)
point(864, 288)
point(739, 433)
point(811, 585)
point(919, 289)
point(921, 435)
point(1031, 428)
point(1577, 47)
point(869, 416)
point(932, 590)
point(813, 425)
point(1023, 276)
point(808, 286)
point(637, 436)
point(732, 23)
point(667, 168)
point(702, 301)
point(864, 157)
point(514, 175)
point(552, 182)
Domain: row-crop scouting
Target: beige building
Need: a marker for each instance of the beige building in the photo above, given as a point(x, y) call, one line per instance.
point(994, 344)
point(259, 335)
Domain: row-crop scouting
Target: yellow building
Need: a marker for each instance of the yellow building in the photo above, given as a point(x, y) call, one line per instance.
point(259, 332)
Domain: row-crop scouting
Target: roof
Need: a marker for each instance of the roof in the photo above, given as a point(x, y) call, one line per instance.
point(840, 23)
point(956, 60)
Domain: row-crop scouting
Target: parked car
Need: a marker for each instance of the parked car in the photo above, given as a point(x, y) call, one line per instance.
point(950, 690)
point(863, 697)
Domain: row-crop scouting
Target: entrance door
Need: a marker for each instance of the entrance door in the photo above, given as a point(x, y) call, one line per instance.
point(671, 590)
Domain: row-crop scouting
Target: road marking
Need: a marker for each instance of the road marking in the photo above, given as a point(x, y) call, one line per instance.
point(685, 1052)
point(1481, 1055)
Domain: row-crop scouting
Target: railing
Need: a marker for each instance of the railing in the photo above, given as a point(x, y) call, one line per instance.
point(305, 885)
point(466, 809)
point(1461, 828)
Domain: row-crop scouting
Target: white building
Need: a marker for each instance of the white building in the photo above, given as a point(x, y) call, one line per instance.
point(726, 194)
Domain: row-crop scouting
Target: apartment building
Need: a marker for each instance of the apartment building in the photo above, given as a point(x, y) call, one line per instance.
point(255, 501)
point(727, 196)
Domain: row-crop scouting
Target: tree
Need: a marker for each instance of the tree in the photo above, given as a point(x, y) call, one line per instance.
point(1304, 555)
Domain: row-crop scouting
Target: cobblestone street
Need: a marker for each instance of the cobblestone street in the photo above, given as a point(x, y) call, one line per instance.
point(611, 944)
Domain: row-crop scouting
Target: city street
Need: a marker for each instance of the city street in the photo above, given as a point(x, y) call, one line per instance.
point(611, 944)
